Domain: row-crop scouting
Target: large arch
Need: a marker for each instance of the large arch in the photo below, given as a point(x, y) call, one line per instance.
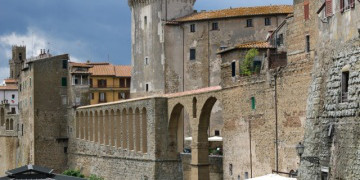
point(112, 128)
point(101, 127)
point(124, 132)
point(137, 130)
point(106, 127)
point(144, 130)
point(118, 128)
point(176, 130)
point(81, 125)
point(77, 125)
point(200, 144)
point(86, 125)
point(131, 129)
point(91, 126)
point(96, 127)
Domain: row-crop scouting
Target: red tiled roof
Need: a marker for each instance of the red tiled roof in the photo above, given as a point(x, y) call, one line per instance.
point(9, 87)
point(110, 70)
point(10, 81)
point(256, 45)
point(238, 12)
point(75, 64)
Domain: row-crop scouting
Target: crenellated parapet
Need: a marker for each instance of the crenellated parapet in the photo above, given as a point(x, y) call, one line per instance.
point(133, 3)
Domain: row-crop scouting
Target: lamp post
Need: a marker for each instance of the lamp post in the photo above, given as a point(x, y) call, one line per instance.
point(300, 149)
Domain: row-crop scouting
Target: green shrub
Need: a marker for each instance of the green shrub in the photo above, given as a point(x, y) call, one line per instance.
point(94, 177)
point(245, 67)
point(74, 173)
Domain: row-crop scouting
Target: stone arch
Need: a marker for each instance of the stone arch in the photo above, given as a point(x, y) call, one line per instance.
point(144, 130)
point(81, 125)
point(137, 130)
point(11, 124)
point(91, 126)
point(86, 125)
point(77, 125)
point(131, 129)
point(124, 132)
point(101, 127)
point(112, 128)
point(118, 128)
point(106, 127)
point(176, 130)
point(7, 124)
point(96, 127)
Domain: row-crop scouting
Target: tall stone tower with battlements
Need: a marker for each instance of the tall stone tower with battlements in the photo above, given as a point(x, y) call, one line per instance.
point(18, 55)
point(148, 18)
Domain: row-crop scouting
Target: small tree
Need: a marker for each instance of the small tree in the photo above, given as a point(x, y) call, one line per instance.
point(245, 67)
point(94, 177)
point(74, 173)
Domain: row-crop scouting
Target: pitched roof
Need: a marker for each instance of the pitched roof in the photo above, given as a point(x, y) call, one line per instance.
point(10, 81)
point(75, 64)
point(249, 45)
point(9, 87)
point(110, 70)
point(238, 12)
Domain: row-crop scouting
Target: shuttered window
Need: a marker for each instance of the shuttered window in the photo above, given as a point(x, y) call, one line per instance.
point(328, 10)
point(306, 10)
point(233, 69)
point(63, 81)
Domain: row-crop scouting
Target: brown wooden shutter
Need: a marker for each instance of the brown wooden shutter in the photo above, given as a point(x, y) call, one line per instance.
point(328, 9)
point(306, 10)
point(342, 3)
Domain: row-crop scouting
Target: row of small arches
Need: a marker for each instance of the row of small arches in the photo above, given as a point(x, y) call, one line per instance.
point(126, 129)
point(8, 123)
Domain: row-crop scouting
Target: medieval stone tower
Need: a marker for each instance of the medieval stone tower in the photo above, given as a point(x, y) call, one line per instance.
point(148, 18)
point(18, 55)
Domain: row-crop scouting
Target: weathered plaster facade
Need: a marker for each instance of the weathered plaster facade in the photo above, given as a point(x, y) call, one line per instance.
point(331, 136)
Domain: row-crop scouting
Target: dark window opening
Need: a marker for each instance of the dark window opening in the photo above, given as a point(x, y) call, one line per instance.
point(249, 23)
point(192, 54)
point(324, 176)
point(64, 64)
point(233, 68)
point(13, 110)
point(122, 82)
point(217, 133)
point(215, 26)
point(280, 40)
point(146, 61)
point(102, 83)
point(253, 103)
point(267, 21)
point(65, 149)
point(344, 86)
point(20, 56)
point(256, 66)
point(307, 43)
point(63, 81)
point(147, 87)
point(102, 97)
point(92, 96)
point(246, 175)
point(194, 107)
point(145, 20)
point(192, 28)
point(231, 169)
point(121, 95)
point(13, 96)
point(91, 82)
point(128, 82)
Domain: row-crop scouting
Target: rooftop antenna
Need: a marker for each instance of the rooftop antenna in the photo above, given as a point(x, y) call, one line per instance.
point(32, 43)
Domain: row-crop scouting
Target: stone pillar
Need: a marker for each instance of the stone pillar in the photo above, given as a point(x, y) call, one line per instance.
point(199, 155)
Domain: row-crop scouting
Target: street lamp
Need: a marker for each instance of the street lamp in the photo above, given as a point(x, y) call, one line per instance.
point(300, 149)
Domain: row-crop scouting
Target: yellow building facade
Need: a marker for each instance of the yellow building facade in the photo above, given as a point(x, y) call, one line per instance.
point(109, 83)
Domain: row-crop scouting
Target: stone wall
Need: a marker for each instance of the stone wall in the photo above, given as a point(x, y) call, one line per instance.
point(216, 167)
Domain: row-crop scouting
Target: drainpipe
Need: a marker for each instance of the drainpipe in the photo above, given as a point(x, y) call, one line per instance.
point(276, 125)
point(250, 150)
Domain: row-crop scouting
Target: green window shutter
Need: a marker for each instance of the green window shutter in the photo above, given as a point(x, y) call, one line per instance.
point(253, 103)
point(64, 81)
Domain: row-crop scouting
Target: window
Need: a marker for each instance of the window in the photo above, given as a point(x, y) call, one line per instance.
point(192, 28)
point(215, 26)
point(306, 10)
point(233, 68)
point(223, 47)
point(92, 96)
point(145, 20)
point(20, 56)
point(122, 82)
point(102, 97)
point(328, 6)
point(128, 82)
point(246, 175)
point(146, 61)
point(280, 40)
point(344, 86)
point(192, 54)
point(307, 43)
point(256, 66)
point(76, 79)
point(13, 96)
point(102, 83)
point(253, 103)
point(13, 110)
point(231, 169)
point(346, 4)
point(194, 107)
point(267, 21)
point(91, 82)
point(147, 87)
point(65, 150)
point(249, 23)
point(64, 100)
point(217, 133)
point(64, 81)
point(64, 64)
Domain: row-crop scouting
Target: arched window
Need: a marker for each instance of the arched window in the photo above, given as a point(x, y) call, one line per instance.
point(77, 125)
point(124, 129)
point(2, 117)
point(20, 56)
point(118, 128)
point(194, 107)
point(137, 129)
point(144, 130)
point(11, 124)
point(7, 124)
point(131, 129)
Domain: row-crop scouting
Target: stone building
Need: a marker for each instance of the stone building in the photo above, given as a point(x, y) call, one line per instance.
point(9, 95)
point(109, 82)
point(332, 127)
point(43, 104)
point(79, 88)
point(18, 56)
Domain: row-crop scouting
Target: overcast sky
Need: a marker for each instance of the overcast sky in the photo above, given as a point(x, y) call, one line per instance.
point(95, 30)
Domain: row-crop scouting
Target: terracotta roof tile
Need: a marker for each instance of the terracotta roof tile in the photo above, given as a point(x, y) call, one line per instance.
point(10, 81)
point(110, 70)
point(256, 45)
point(238, 12)
point(75, 64)
point(9, 87)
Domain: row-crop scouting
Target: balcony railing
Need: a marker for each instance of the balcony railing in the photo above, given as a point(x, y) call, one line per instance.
point(108, 86)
